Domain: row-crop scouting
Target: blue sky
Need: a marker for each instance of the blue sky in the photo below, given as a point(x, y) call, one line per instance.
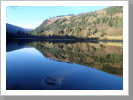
point(32, 16)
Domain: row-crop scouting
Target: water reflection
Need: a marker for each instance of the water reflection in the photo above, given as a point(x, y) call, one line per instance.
point(64, 66)
point(107, 57)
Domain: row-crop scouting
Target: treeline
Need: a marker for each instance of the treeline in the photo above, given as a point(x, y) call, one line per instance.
point(61, 16)
point(113, 10)
point(19, 34)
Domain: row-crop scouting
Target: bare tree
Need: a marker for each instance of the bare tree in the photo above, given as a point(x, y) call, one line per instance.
point(12, 8)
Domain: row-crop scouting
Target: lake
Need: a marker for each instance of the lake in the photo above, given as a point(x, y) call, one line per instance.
point(64, 65)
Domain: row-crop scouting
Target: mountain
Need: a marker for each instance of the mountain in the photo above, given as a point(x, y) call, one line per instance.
point(27, 29)
point(104, 24)
point(13, 31)
point(13, 46)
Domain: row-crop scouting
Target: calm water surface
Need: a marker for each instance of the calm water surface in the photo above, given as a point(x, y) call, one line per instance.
point(64, 66)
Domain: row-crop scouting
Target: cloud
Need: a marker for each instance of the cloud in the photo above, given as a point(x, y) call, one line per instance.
point(32, 51)
point(31, 25)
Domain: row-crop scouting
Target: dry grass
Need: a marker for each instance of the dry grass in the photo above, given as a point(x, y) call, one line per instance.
point(107, 37)
point(102, 11)
point(54, 19)
point(114, 31)
point(112, 38)
point(91, 19)
point(120, 15)
point(112, 43)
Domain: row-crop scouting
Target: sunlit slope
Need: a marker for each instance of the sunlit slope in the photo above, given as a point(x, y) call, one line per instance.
point(105, 24)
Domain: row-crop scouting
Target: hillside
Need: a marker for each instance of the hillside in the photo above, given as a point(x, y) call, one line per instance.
point(13, 31)
point(104, 24)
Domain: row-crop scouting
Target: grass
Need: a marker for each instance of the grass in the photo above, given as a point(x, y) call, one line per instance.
point(112, 38)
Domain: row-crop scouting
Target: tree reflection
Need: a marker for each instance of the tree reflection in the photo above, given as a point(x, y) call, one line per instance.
point(107, 57)
point(104, 56)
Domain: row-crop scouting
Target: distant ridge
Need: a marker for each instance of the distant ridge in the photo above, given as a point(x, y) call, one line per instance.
point(14, 29)
point(27, 29)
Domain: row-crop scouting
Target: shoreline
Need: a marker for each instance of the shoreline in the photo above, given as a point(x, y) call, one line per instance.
point(44, 39)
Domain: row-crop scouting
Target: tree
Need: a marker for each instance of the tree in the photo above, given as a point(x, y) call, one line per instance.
point(77, 29)
point(89, 29)
point(10, 8)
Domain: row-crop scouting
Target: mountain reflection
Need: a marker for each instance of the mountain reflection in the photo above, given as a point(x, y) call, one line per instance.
point(107, 57)
point(104, 56)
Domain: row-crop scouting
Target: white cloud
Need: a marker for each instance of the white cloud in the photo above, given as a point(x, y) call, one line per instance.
point(32, 51)
point(31, 25)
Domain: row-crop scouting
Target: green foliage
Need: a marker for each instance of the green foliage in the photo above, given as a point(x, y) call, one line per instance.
point(112, 22)
point(113, 10)
point(114, 58)
point(77, 29)
point(103, 33)
point(79, 26)
point(89, 29)
point(112, 70)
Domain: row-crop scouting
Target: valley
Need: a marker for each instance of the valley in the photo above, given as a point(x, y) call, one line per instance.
point(104, 24)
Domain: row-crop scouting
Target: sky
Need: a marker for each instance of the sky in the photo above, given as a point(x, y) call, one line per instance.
point(32, 16)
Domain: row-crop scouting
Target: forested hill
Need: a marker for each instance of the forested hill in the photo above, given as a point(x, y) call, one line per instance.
point(106, 22)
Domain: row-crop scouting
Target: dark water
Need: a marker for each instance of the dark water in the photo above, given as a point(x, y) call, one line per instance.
point(64, 66)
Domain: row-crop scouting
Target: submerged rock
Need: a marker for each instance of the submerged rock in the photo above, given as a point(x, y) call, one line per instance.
point(53, 83)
